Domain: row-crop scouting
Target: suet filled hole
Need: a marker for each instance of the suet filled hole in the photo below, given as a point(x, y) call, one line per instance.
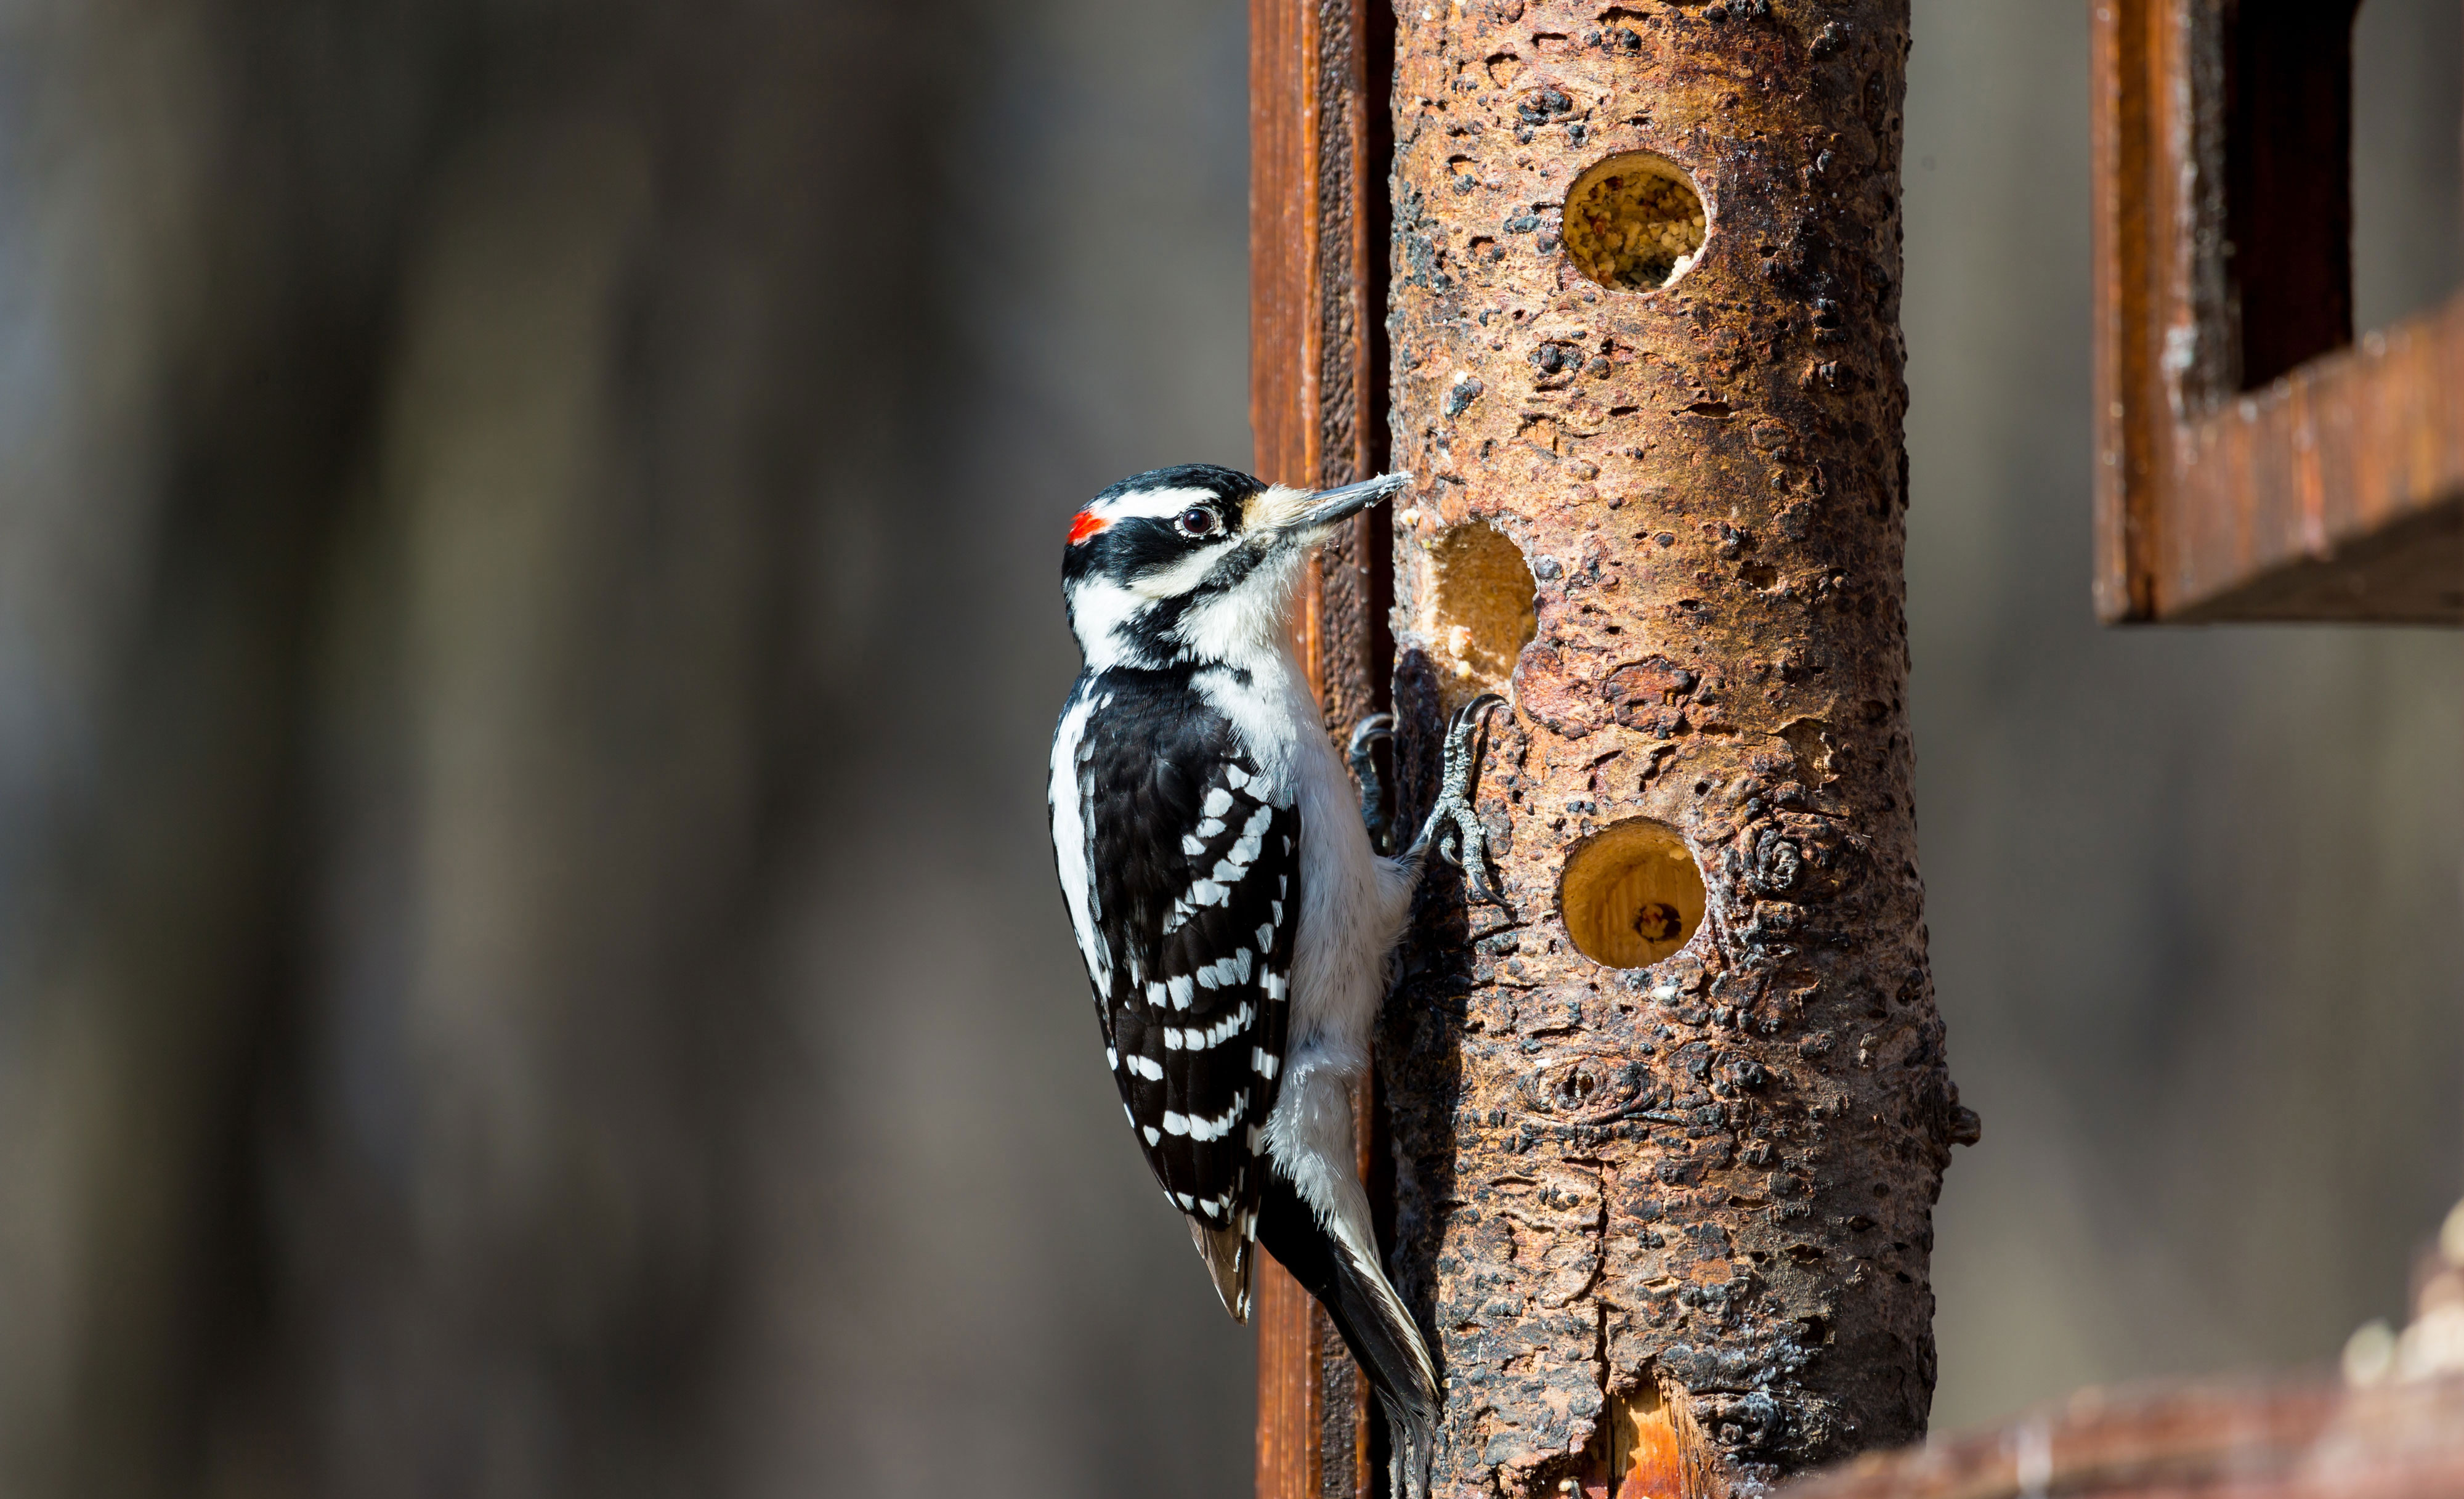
point(1479, 599)
point(1631, 893)
point(1634, 222)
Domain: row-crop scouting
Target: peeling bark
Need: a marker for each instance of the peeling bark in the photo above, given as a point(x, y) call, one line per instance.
point(1706, 1180)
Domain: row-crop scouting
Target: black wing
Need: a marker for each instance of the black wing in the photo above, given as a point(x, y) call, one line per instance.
point(1195, 871)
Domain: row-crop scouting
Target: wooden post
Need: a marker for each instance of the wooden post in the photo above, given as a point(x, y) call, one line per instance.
point(1669, 1135)
point(1319, 149)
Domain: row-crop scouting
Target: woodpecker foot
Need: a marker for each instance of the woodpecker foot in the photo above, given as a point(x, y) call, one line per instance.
point(1454, 827)
point(1365, 736)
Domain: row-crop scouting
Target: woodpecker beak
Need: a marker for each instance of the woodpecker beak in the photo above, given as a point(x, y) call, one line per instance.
point(1307, 514)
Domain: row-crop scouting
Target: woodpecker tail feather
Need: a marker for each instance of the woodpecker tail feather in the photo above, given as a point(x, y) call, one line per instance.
point(1226, 1252)
point(1338, 1265)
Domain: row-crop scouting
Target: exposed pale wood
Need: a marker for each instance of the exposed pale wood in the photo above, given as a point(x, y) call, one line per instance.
point(1635, 1451)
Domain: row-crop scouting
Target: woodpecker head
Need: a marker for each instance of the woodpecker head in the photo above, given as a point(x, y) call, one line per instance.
point(1196, 563)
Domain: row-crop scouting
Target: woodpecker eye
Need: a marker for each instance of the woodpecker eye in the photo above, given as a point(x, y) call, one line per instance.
point(1199, 520)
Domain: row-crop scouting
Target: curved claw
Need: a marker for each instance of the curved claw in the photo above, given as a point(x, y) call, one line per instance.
point(1454, 826)
point(1365, 736)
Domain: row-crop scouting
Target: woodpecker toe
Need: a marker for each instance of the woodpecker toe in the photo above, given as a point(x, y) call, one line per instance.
point(1454, 826)
point(1365, 736)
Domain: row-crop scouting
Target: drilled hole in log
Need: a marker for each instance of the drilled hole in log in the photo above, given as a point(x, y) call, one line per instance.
point(1631, 893)
point(1634, 222)
point(1480, 594)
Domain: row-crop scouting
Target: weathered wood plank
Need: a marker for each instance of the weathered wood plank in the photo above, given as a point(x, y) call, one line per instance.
point(2306, 1441)
point(2248, 467)
point(1317, 232)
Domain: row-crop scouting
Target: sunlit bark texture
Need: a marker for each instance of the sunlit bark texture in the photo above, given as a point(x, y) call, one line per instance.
point(1670, 1132)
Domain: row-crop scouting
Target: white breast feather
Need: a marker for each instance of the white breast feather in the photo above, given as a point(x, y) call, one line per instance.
point(1353, 908)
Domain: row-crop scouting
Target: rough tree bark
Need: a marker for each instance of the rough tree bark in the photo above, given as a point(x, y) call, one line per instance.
point(1666, 1206)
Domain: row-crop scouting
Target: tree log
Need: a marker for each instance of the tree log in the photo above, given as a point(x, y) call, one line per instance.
point(1668, 1133)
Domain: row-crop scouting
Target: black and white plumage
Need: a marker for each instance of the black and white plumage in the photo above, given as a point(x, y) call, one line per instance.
point(1236, 924)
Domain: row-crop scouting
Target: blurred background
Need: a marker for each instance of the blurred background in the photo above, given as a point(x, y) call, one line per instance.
point(528, 632)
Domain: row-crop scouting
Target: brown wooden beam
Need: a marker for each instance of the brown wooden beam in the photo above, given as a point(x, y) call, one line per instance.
point(1318, 154)
point(2124, 41)
point(2336, 493)
point(2253, 1441)
point(2250, 467)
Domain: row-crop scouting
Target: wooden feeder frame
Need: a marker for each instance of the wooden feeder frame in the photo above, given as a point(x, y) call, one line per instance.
point(1320, 141)
point(2253, 461)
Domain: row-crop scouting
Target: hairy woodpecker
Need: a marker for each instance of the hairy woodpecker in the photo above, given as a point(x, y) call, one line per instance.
point(1235, 923)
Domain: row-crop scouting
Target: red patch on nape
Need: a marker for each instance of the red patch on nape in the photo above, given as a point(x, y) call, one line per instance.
point(1086, 525)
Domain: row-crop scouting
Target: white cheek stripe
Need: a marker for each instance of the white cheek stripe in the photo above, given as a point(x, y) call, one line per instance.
point(1099, 608)
point(1182, 576)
